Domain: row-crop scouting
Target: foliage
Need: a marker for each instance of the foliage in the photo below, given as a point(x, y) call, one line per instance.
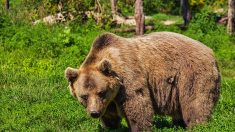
point(217, 3)
point(204, 21)
point(33, 91)
point(77, 9)
point(197, 2)
point(164, 6)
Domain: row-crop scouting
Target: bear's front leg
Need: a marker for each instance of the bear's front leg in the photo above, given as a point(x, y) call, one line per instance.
point(111, 119)
point(139, 112)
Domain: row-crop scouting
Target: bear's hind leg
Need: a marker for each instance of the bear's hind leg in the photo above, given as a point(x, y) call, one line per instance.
point(197, 112)
point(198, 98)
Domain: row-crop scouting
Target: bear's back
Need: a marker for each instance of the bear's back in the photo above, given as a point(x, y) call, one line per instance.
point(164, 47)
point(169, 40)
point(153, 51)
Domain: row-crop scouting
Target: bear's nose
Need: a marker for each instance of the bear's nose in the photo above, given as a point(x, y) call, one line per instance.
point(95, 114)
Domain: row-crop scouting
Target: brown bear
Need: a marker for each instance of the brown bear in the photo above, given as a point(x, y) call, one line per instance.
point(160, 73)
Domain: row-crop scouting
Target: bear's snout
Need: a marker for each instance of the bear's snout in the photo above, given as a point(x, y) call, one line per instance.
point(95, 114)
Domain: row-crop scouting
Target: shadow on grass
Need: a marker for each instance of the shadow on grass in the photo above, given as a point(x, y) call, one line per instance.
point(122, 129)
point(159, 123)
point(163, 123)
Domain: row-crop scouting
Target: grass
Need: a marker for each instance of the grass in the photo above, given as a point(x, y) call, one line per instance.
point(34, 94)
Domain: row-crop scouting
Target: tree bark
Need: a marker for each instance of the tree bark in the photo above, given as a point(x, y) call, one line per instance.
point(139, 17)
point(114, 8)
point(185, 11)
point(231, 17)
point(7, 4)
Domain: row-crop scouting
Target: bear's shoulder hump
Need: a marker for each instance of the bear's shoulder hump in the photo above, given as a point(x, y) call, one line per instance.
point(104, 40)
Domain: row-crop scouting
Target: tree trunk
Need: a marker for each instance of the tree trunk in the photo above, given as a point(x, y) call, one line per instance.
point(231, 17)
point(114, 8)
point(185, 11)
point(139, 17)
point(7, 4)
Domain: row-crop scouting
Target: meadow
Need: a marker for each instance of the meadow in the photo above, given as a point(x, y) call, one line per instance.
point(34, 94)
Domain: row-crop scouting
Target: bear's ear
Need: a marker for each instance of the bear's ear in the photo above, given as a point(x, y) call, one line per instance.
point(105, 67)
point(71, 74)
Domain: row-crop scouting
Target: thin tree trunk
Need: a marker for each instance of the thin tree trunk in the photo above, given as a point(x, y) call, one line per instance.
point(7, 4)
point(98, 6)
point(185, 11)
point(139, 17)
point(114, 8)
point(99, 12)
point(231, 17)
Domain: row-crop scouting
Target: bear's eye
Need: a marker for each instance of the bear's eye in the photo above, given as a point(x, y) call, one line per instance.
point(84, 97)
point(102, 94)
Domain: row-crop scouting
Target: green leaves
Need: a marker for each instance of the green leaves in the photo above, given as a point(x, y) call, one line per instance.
point(33, 91)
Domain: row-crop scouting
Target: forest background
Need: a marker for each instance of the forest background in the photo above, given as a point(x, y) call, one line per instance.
point(35, 51)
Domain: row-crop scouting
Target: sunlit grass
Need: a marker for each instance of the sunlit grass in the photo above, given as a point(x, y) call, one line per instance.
point(34, 94)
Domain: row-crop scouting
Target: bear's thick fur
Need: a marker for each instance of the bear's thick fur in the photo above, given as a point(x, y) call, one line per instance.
point(160, 73)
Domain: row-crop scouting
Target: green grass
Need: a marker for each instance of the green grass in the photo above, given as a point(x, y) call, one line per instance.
point(34, 95)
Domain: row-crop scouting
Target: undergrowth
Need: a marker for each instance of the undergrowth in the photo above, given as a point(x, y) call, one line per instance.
point(34, 94)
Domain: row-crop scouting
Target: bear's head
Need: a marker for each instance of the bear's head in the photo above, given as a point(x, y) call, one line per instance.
point(95, 86)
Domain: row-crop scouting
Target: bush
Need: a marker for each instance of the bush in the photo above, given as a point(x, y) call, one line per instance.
point(204, 21)
point(33, 93)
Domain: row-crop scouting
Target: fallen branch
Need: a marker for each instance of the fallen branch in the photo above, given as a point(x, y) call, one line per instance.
point(129, 20)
